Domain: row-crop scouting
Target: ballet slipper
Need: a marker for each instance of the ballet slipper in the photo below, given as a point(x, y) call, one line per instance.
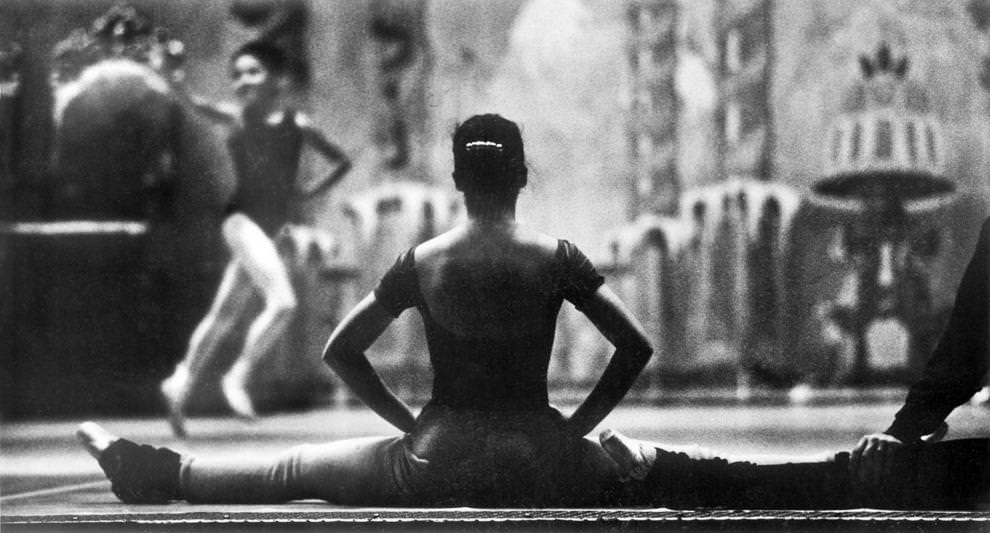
point(137, 473)
point(633, 459)
point(94, 438)
point(936, 436)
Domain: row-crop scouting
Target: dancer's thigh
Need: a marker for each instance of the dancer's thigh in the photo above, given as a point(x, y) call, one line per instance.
point(347, 472)
point(351, 472)
point(257, 255)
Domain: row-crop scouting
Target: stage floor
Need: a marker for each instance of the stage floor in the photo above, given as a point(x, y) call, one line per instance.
point(49, 483)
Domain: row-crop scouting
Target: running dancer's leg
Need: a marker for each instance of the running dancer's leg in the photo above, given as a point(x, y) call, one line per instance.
point(348, 472)
point(256, 253)
point(228, 305)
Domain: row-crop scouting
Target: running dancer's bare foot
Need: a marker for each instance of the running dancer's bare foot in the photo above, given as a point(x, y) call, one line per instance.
point(94, 438)
point(634, 457)
point(174, 391)
point(237, 396)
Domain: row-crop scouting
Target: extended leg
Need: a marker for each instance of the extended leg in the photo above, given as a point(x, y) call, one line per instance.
point(943, 475)
point(348, 472)
point(695, 477)
point(953, 474)
point(258, 256)
point(636, 457)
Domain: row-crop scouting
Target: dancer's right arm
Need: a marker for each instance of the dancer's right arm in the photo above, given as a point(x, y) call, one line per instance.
point(345, 354)
point(222, 112)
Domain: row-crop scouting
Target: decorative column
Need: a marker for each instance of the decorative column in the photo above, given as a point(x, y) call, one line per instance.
point(653, 108)
point(10, 85)
point(404, 208)
point(745, 42)
point(398, 31)
point(642, 250)
point(745, 36)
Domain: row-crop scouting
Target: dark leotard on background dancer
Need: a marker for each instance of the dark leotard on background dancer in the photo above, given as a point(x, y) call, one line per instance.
point(266, 142)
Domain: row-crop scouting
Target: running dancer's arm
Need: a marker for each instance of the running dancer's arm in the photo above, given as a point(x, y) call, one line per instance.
point(223, 112)
point(344, 353)
point(632, 351)
point(331, 152)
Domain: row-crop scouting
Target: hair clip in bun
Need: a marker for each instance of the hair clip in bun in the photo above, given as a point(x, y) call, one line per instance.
point(483, 145)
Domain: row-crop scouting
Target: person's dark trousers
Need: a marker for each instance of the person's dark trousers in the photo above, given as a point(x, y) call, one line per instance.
point(947, 475)
point(950, 475)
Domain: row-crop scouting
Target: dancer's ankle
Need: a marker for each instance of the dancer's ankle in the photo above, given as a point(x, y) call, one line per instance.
point(176, 386)
point(175, 391)
point(179, 375)
point(234, 389)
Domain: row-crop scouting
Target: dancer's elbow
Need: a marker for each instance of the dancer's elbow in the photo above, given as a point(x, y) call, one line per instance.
point(337, 352)
point(638, 347)
point(330, 357)
point(645, 351)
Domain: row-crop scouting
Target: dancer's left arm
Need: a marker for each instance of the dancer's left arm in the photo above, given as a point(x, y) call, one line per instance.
point(345, 354)
point(632, 351)
point(313, 137)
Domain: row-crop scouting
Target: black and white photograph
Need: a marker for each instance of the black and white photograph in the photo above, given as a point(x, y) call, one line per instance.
point(494, 265)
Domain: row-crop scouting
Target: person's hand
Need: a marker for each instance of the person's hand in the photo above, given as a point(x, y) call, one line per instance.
point(873, 457)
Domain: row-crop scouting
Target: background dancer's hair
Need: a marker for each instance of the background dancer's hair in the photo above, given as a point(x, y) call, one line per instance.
point(270, 55)
point(489, 161)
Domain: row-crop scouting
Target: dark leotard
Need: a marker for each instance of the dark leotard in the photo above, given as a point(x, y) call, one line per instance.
point(493, 374)
point(266, 158)
point(489, 436)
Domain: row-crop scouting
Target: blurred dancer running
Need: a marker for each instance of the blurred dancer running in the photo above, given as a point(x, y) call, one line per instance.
point(265, 142)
